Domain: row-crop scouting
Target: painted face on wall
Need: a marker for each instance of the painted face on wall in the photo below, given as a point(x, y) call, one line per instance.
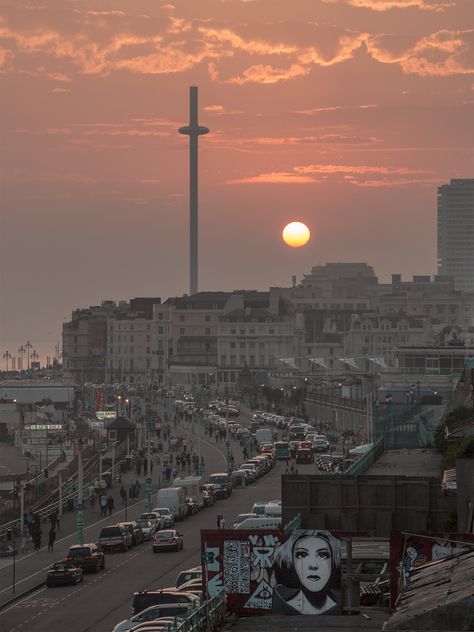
point(312, 563)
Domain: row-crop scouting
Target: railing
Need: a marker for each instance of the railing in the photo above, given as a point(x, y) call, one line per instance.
point(368, 459)
point(15, 525)
point(207, 618)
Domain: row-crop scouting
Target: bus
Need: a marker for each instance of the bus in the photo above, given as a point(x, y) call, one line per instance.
point(282, 450)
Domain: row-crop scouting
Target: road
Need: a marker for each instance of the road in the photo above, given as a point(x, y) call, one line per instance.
point(104, 599)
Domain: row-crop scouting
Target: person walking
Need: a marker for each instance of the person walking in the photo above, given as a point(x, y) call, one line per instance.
point(103, 505)
point(37, 537)
point(92, 498)
point(123, 495)
point(218, 521)
point(51, 539)
point(222, 522)
point(110, 505)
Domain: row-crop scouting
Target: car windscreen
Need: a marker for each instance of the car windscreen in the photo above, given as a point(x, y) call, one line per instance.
point(110, 532)
point(166, 535)
point(144, 524)
point(219, 480)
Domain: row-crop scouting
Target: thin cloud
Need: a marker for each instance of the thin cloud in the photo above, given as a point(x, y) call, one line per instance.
point(337, 108)
point(275, 177)
point(387, 5)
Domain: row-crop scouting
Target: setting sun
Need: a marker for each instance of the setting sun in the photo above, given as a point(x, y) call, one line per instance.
point(296, 234)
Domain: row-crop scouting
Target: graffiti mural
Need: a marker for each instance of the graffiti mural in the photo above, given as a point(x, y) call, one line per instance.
point(407, 551)
point(271, 571)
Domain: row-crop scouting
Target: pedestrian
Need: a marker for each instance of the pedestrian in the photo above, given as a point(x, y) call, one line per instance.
point(92, 498)
point(110, 505)
point(123, 495)
point(218, 521)
point(103, 505)
point(37, 537)
point(51, 539)
point(222, 522)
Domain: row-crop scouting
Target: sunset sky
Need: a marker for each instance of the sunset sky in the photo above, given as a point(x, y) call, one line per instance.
point(343, 114)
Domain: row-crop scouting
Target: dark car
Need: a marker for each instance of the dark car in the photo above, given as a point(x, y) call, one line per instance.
point(223, 479)
point(135, 531)
point(63, 573)
point(87, 556)
point(145, 599)
point(303, 455)
point(115, 537)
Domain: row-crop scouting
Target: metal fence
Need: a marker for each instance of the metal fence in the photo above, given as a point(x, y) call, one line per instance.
point(208, 618)
point(368, 459)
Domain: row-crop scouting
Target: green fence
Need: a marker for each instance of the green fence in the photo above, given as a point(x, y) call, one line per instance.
point(208, 618)
point(368, 459)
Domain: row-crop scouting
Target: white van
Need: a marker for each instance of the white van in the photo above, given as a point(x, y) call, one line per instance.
point(260, 523)
point(175, 499)
point(273, 510)
point(192, 488)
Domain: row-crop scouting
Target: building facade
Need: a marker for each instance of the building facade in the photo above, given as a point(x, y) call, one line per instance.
point(456, 232)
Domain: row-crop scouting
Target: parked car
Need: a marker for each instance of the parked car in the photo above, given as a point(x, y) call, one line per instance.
point(193, 507)
point(223, 479)
point(304, 456)
point(155, 613)
point(167, 515)
point(241, 517)
point(87, 556)
point(193, 586)
point(147, 598)
point(62, 573)
point(160, 625)
point(208, 498)
point(135, 531)
point(115, 537)
point(154, 517)
point(148, 528)
point(212, 489)
point(168, 539)
point(187, 575)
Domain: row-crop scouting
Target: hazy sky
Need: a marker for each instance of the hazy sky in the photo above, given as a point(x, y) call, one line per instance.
point(344, 114)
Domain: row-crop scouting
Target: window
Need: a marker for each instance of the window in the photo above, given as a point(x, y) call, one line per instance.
point(232, 331)
point(242, 332)
point(148, 350)
point(208, 331)
point(232, 345)
point(160, 316)
point(181, 331)
point(242, 359)
point(131, 327)
point(160, 330)
point(252, 360)
point(232, 360)
point(131, 338)
point(223, 359)
point(208, 318)
point(271, 331)
point(160, 345)
point(148, 338)
point(131, 351)
point(181, 318)
point(75, 339)
point(242, 345)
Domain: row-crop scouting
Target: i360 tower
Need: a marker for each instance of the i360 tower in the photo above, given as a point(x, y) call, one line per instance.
point(193, 130)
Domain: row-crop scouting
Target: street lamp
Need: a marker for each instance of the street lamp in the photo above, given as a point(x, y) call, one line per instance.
point(388, 401)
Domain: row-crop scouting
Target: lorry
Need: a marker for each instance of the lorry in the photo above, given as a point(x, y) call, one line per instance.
point(175, 499)
point(264, 435)
point(192, 488)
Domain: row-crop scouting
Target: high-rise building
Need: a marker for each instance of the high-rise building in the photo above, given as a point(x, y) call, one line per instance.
point(456, 232)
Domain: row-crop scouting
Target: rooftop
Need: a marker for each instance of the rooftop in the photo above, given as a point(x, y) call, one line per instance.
point(408, 462)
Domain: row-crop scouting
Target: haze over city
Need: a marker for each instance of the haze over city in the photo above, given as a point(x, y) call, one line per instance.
point(345, 115)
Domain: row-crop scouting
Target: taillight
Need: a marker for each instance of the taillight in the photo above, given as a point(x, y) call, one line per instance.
point(68, 559)
point(89, 557)
point(154, 541)
point(174, 540)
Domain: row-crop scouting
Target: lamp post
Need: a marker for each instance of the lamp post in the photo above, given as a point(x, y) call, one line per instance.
point(80, 499)
point(7, 356)
point(388, 401)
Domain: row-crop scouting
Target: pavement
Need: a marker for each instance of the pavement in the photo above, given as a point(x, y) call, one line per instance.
point(408, 462)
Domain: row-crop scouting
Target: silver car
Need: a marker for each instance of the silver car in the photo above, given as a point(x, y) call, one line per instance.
point(148, 528)
point(154, 613)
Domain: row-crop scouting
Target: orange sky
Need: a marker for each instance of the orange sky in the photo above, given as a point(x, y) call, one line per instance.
point(344, 114)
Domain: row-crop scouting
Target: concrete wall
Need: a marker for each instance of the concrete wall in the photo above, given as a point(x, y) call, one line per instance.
point(376, 504)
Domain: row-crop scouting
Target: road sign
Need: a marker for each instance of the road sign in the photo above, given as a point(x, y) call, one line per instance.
point(106, 414)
